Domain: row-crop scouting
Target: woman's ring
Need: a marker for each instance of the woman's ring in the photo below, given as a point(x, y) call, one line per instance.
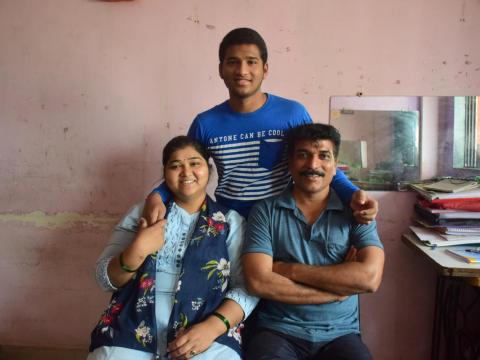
point(193, 352)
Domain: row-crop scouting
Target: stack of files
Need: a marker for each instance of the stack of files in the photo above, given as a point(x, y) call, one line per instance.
point(450, 229)
point(457, 204)
point(472, 195)
point(448, 212)
point(430, 237)
point(435, 216)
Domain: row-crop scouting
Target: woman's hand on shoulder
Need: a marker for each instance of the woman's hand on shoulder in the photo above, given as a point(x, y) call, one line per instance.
point(150, 238)
point(192, 341)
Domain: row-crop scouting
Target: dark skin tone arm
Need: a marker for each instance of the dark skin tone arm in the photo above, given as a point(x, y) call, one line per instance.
point(263, 281)
point(347, 278)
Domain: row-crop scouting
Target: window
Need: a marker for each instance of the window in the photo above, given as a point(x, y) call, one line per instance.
point(466, 140)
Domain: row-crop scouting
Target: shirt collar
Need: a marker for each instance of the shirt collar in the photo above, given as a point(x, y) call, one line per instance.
point(287, 201)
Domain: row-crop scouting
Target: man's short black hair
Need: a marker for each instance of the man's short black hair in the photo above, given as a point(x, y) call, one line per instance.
point(313, 132)
point(242, 36)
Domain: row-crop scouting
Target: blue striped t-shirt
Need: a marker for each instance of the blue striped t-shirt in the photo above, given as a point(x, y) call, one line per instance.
point(249, 151)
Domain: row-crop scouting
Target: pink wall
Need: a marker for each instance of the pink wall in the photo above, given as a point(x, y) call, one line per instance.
point(90, 90)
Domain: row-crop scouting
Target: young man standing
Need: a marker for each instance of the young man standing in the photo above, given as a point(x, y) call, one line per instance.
point(299, 259)
point(245, 134)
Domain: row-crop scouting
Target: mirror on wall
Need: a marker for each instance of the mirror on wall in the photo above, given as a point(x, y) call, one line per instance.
point(380, 139)
point(388, 141)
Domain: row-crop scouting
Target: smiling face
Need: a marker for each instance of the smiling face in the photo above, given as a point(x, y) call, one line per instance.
point(186, 175)
point(312, 166)
point(243, 71)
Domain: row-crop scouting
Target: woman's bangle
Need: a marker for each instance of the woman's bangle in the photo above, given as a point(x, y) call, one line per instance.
point(125, 267)
point(223, 319)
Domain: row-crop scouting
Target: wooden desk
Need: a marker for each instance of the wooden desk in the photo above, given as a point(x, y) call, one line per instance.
point(453, 275)
point(444, 263)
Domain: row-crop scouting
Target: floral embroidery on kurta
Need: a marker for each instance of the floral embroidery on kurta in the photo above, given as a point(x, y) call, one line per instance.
point(143, 334)
point(215, 225)
point(108, 318)
point(221, 268)
point(147, 284)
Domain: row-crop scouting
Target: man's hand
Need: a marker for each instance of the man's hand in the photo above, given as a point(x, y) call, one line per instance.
point(364, 208)
point(154, 209)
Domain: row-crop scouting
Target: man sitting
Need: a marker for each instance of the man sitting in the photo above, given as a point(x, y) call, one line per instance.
point(308, 258)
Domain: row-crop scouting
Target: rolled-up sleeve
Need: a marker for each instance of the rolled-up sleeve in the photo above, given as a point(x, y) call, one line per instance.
point(123, 235)
point(237, 291)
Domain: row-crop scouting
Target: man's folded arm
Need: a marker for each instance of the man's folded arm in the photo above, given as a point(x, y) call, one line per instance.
point(262, 281)
point(347, 278)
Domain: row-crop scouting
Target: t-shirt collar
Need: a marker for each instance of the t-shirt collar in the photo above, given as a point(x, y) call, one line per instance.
point(226, 104)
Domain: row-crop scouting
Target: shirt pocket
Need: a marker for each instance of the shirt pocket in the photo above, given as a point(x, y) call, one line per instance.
point(271, 152)
point(337, 245)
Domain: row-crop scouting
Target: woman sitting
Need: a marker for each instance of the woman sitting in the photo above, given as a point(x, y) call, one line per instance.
point(177, 285)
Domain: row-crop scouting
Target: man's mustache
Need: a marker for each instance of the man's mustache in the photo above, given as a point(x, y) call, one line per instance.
point(312, 172)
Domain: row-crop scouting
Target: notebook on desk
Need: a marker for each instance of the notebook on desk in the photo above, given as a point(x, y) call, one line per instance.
point(433, 238)
point(470, 255)
point(433, 196)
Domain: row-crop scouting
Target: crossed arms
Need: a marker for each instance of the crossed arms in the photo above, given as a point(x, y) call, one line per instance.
point(296, 283)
